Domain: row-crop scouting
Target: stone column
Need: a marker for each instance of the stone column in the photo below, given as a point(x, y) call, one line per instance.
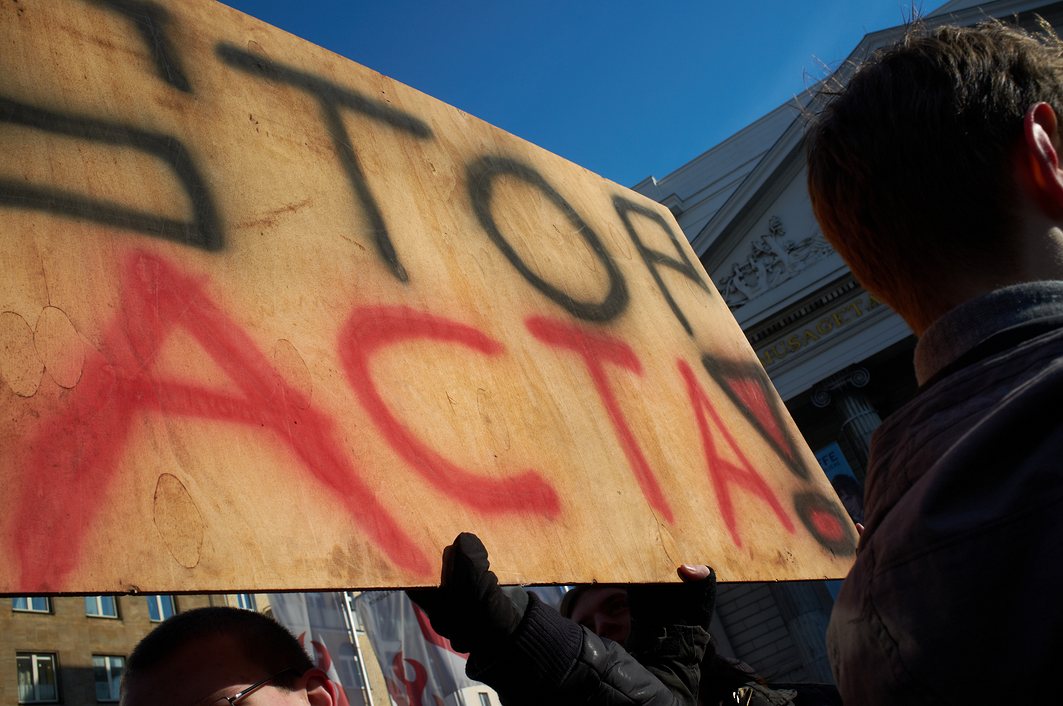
point(859, 419)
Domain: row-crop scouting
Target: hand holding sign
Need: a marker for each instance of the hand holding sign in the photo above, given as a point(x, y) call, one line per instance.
point(469, 607)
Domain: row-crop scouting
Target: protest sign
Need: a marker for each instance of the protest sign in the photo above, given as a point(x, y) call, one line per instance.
point(270, 320)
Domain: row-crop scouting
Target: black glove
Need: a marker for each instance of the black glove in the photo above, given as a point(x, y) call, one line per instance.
point(687, 603)
point(469, 607)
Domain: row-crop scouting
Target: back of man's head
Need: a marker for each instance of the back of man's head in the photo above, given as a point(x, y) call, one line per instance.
point(261, 640)
point(910, 166)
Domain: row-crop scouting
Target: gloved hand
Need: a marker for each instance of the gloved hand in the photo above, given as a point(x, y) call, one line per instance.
point(688, 603)
point(469, 607)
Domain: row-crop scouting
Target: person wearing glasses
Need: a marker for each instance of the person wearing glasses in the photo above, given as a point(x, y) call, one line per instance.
point(223, 657)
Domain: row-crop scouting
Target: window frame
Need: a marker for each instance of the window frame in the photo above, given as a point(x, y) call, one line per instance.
point(112, 681)
point(157, 600)
point(248, 598)
point(34, 658)
point(29, 603)
point(99, 605)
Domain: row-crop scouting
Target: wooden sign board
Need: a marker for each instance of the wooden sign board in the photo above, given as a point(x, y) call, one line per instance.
point(271, 320)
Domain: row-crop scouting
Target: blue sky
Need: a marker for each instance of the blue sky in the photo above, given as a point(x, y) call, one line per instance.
point(626, 89)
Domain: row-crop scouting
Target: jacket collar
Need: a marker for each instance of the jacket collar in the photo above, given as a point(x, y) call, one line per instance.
point(969, 324)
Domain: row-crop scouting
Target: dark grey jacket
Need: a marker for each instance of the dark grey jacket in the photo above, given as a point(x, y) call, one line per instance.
point(955, 594)
point(552, 660)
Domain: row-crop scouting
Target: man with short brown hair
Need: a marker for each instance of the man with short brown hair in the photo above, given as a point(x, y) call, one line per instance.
point(936, 174)
point(926, 170)
point(223, 657)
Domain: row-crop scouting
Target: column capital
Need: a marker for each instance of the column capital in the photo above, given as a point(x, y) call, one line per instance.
point(853, 377)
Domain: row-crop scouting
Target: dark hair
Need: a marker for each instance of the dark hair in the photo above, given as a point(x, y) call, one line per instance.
point(910, 165)
point(573, 595)
point(264, 642)
point(568, 601)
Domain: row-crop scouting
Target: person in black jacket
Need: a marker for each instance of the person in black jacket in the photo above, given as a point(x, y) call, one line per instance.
point(604, 609)
point(531, 655)
point(936, 174)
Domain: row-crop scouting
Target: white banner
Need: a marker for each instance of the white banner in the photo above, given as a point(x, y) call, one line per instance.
point(420, 667)
point(318, 621)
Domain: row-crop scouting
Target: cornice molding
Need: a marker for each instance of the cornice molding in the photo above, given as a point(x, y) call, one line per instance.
point(805, 309)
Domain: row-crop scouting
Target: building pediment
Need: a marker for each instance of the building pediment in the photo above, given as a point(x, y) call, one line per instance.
point(762, 185)
point(773, 252)
point(744, 206)
point(768, 260)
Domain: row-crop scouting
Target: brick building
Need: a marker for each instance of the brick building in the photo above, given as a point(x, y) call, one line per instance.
point(71, 649)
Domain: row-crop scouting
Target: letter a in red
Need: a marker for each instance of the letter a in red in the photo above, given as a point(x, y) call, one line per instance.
point(723, 472)
point(70, 460)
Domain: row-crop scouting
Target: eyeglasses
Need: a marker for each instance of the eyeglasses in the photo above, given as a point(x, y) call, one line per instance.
point(239, 697)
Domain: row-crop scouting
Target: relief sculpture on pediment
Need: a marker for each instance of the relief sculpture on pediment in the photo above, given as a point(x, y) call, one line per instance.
point(771, 260)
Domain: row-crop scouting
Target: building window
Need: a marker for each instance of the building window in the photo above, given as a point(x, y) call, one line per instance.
point(101, 606)
point(107, 672)
point(485, 698)
point(245, 601)
point(37, 683)
point(31, 604)
point(160, 608)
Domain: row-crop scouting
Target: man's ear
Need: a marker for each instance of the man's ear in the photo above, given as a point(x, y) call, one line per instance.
point(1041, 156)
point(320, 690)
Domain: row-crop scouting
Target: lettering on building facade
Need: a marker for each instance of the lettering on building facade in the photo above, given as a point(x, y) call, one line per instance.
point(825, 327)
